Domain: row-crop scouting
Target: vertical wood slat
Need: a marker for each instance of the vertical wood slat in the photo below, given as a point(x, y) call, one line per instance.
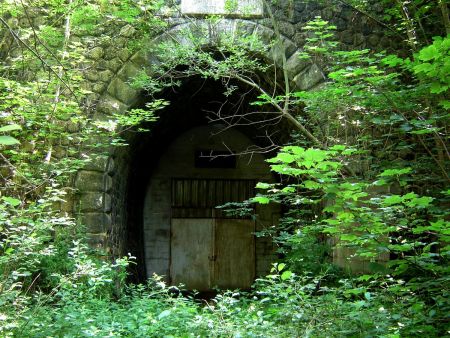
point(218, 198)
point(227, 191)
point(202, 191)
point(194, 199)
point(211, 193)
point(186, 192)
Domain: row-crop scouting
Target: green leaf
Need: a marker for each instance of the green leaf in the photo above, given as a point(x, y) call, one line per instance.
point(428, 53)
point(392, 60)
point(394, 199)
point(445, 104)
point(288, 189)
point(338, 147)
point(281, 266)
point(423, 68)
point(286, 275)
point(9, 251)
point(395, 172)
point(437, 88)
point(10, 127)
point(8, 140)
point(311, 185)
point(262, 185)
point(420, 202)
point(12, 201)
point(423, 131)
point(261, 200)
point(349, 237)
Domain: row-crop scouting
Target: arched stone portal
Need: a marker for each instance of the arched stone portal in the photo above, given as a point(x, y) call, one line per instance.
point(185, 237)
point(109, 204)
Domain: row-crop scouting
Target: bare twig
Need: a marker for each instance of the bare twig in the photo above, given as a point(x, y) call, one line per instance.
point(50, 68)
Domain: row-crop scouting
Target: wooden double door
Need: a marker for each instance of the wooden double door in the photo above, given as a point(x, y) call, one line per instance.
point(212, 252)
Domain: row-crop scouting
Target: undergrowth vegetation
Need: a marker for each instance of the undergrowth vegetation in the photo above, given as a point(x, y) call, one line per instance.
point(366, 170)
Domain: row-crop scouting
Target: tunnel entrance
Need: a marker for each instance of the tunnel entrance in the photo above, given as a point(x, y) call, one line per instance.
point(175, 176)
point(188, 239)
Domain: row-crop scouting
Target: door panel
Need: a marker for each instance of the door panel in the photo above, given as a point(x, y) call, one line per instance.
point(212, 252)
point(235, 253)
point(191, 250)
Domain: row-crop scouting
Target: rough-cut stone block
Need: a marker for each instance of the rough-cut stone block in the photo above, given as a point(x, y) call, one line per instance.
point(265, 34)
point(122, 91)
point(110, 166)
point(140, 58)
point(108, 203)
point(107, 183)
point(91, 201)
point(67, 205)
point(128, 72)
point(285, 47)
point(185, 36)
point(225, 27)
point(124, 54)
point(96, 240)
point(243, 8)
point(113, 64)
point(95, 53)
point(95, 222)
point(295, 65)
point(98, 162)
point(105, 75)
point(92, 75)
point(309, 78)
point(245, 27)
point(127, 31)
point(89, 181)
point(287, 29)
point(109, 105)
point(98, 87)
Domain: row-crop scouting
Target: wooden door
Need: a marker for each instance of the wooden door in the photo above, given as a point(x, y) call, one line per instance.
point(209, 252)
point(234, 266)
point(191, 256)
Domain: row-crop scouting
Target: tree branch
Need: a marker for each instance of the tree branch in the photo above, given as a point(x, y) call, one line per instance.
point(17, 38)
point(285, 114)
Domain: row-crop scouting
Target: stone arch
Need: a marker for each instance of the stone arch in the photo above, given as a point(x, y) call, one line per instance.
point(102, 184)
point(97, 191)
point(119, 95)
